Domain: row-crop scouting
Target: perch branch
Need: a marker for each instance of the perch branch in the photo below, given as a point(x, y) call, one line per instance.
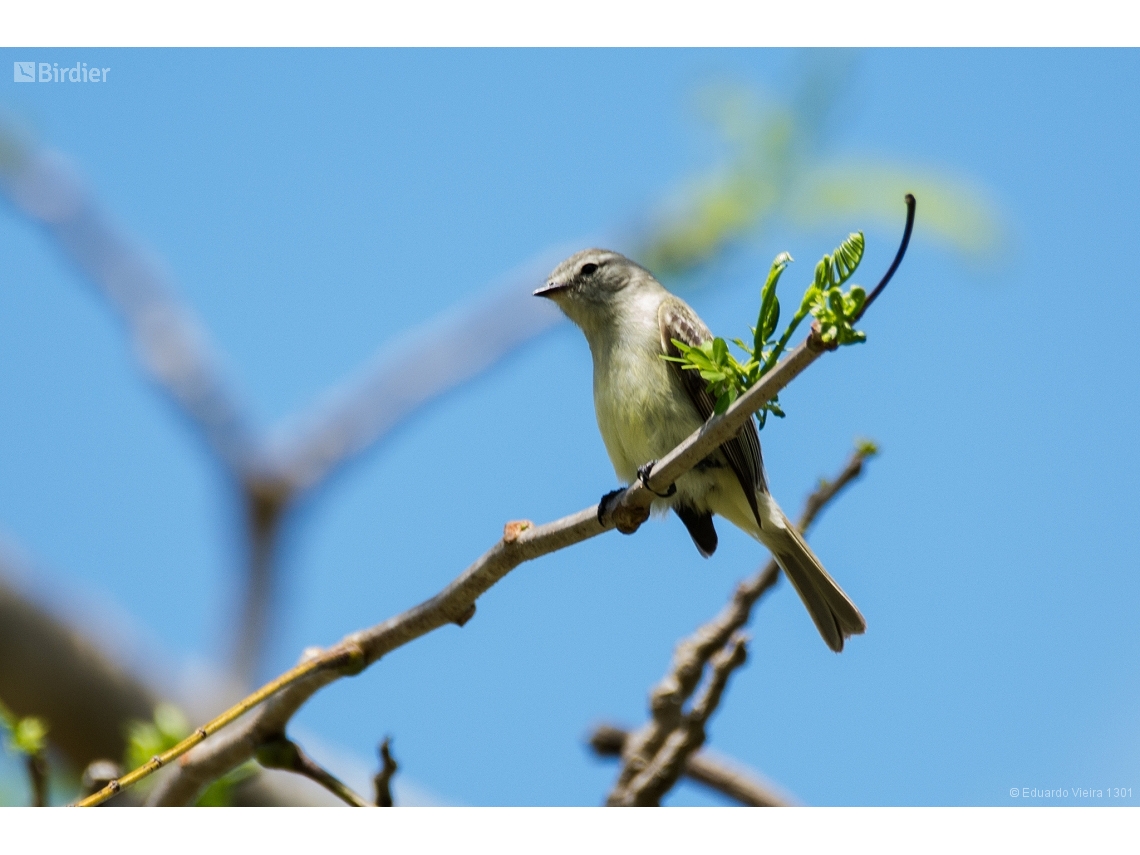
point(454, 604)
point(521, 542)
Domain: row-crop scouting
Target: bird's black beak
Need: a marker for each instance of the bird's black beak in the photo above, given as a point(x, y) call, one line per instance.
point(551, 288)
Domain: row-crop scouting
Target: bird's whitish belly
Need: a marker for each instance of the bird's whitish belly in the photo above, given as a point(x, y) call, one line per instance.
point(646, 413)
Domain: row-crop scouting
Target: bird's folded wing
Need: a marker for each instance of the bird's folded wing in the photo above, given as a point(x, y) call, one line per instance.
point(678, 321)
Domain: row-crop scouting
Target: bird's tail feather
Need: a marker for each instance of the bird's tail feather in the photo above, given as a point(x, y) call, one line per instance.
point(835, 616)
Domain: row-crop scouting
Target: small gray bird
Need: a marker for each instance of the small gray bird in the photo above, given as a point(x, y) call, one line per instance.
point(646, 406)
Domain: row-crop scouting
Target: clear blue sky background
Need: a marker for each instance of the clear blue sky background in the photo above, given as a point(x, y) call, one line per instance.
point(313, 204)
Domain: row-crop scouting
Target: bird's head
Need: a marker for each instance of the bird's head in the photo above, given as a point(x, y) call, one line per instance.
point(593, 286)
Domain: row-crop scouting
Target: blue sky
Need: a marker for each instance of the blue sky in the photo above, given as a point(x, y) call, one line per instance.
point(311, 205)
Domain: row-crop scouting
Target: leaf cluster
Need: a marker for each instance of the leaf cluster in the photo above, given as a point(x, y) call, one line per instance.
point(834, 309)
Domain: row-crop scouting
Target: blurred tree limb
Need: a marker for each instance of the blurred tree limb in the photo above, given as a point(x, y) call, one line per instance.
point(774, 168)
point(273, 470)
point(53, 670)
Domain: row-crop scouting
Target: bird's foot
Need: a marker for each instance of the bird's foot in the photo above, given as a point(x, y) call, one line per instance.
point(624, 518)
point(605, 502)
point(643, 474)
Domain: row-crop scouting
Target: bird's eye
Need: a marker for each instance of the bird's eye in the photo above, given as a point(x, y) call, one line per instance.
point(587, 269)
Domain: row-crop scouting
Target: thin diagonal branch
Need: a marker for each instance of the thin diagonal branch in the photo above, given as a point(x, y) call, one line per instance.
point(173, 348)
point(454, 604)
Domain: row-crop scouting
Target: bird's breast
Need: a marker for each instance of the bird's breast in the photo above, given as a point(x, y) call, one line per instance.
point(643, 411)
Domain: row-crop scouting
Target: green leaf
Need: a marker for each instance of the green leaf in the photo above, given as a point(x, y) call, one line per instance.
point(221, 792)
point(724, 401)
point(769, 316)
point(29, 735)
point(26, 734)
point(171, 723)
point(719, 351)
point(147, 738)
point(726, 378)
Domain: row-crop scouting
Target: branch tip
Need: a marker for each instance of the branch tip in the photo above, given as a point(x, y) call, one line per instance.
point(383, 779)
point(910, 205)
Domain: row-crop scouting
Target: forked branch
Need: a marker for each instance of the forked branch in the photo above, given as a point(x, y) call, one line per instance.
point(655, 757)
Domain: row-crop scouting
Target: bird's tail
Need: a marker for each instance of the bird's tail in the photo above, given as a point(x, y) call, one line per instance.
point(834, 614)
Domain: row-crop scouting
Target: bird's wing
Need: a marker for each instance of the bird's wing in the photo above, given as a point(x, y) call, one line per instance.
point(678, 321)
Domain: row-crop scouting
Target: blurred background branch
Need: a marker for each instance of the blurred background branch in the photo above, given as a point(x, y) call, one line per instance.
point(51, 669)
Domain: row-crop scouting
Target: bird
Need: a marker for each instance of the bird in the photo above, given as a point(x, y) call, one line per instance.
point(646, 406)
